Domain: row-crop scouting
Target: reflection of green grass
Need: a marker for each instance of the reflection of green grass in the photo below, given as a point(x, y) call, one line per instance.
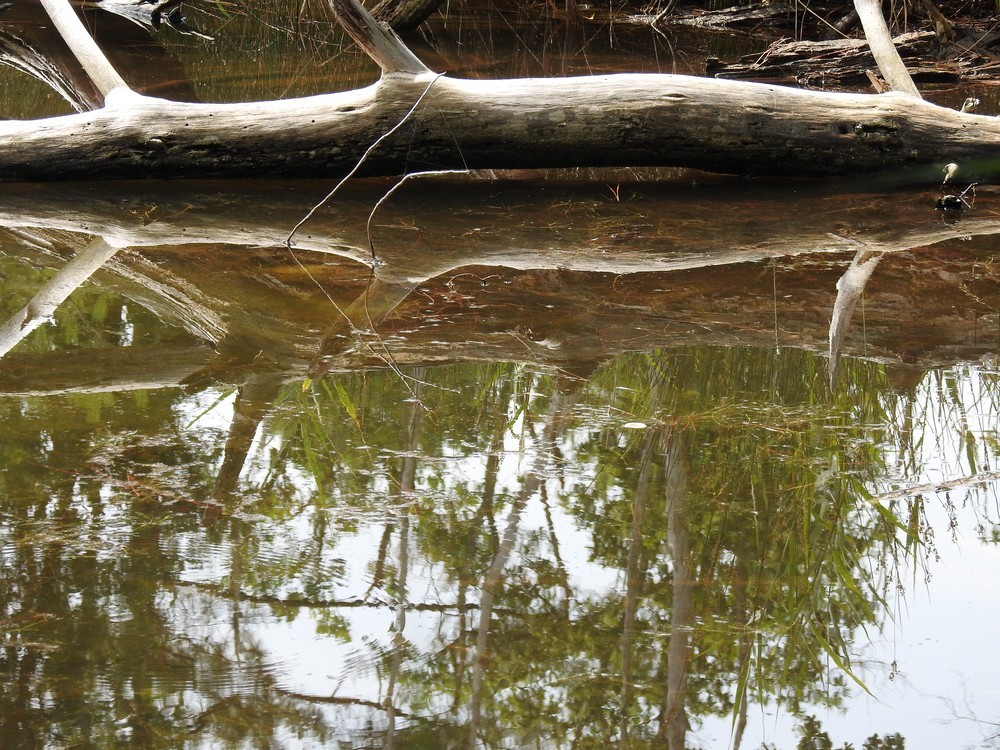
point(25, 97)
point(268, 51)
point(90, 317)
point(774, 462)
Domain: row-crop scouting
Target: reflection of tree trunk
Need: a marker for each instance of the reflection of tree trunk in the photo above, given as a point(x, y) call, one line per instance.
point(491, 583)
point(850, 288)
point(557, 556)
point(674, 723)
point(494, 574)
point(740, 611)
point(407, 486)
point(383, 549)
point(235, 581)
point(253, 400)
point(483, 512)
point(54, 292)
point(399, 625)
point(408, 474)
point(634, 577)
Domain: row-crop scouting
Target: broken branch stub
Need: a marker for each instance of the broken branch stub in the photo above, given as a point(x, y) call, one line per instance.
point(378, 41)
point(83, 46)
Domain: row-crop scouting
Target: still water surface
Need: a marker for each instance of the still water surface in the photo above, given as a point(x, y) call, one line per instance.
point(574, 464)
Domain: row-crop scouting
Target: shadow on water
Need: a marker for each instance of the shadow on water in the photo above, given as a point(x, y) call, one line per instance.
point(657, 462)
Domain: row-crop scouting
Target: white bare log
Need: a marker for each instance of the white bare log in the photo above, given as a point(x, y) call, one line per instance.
point(619, 120)
point(379, 41)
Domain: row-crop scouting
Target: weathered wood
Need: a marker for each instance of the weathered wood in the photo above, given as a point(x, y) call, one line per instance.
point(148, 13)
point(101, 72)
point(730, 18)
point(618, 121)
point(405, 15)
point(376, 39)
point(880, 41)
point(836, 61)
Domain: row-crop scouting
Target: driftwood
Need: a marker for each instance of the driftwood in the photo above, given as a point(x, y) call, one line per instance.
point(619, 120)
point(732, 18)
point(849, 62)
point(28, 44)
point(836, 61)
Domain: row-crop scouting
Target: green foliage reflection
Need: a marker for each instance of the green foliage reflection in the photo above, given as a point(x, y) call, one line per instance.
point(547, 559)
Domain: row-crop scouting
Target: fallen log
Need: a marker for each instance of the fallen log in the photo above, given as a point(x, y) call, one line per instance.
point(618, 120)
point(835, 61)
point(845, 62)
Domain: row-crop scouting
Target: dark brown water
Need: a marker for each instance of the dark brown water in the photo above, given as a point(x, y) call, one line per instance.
point(636, 460)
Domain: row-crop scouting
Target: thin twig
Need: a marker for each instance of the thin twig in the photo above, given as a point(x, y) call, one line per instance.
point(361, 161)
point(393, 189)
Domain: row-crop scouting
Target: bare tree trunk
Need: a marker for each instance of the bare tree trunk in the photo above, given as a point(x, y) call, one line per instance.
point(675, 723)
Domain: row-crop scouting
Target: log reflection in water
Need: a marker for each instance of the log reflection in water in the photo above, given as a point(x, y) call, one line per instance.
point(850, 288)
point(41, 307)
point(592, 276)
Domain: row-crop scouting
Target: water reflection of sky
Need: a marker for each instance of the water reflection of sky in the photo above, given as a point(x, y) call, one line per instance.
point(945, 692)
point(930, 670)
